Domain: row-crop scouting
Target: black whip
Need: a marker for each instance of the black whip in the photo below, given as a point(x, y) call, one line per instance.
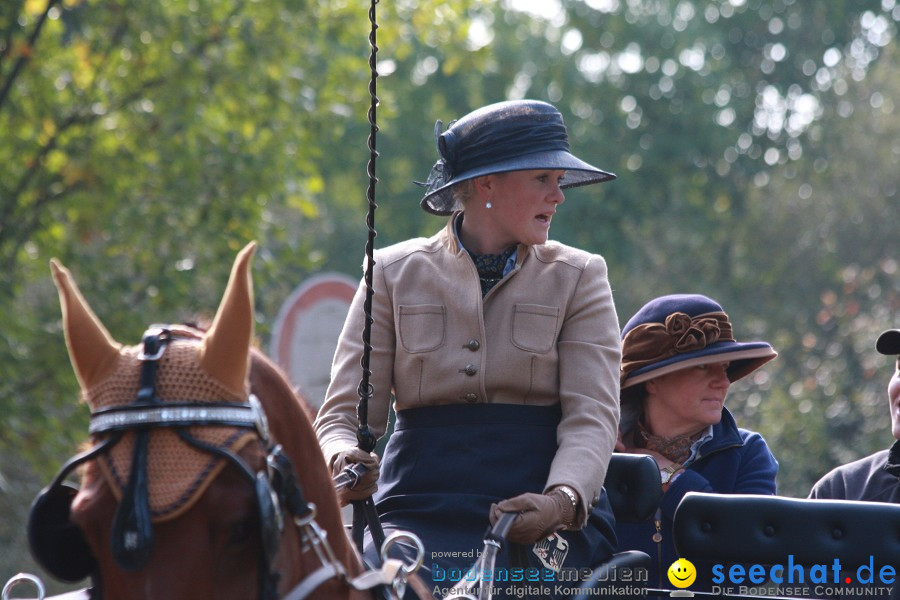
point(364, 436)
point(364, 510)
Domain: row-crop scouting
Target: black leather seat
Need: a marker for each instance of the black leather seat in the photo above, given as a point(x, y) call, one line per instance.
point(797, 535)
point(634, 490)
point(767, 529)
point(633, 487)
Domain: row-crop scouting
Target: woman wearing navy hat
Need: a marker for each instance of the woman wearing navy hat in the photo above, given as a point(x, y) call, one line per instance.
point(679, 357)
point(501, 350)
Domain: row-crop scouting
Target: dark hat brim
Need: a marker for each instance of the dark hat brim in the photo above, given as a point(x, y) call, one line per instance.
point(578, 173)
point(745, 357)
point(888, 343)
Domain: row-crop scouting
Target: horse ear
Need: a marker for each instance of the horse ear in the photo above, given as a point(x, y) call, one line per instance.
point(92, 350)
point(226, 346)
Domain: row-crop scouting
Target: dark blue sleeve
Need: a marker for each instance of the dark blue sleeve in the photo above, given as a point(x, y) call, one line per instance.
point(758, 467)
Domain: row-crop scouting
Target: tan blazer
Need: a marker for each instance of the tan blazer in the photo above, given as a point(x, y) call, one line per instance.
point(546, 333)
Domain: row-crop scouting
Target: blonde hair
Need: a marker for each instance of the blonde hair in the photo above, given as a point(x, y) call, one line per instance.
point(462, 191)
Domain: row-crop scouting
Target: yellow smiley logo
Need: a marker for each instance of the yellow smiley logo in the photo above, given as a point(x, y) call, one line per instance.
point(682, 573)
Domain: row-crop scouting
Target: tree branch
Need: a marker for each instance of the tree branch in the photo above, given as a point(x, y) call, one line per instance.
point(10, 30)
point(26, 56)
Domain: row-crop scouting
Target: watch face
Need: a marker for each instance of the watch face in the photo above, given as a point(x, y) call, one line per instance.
point(666, 474)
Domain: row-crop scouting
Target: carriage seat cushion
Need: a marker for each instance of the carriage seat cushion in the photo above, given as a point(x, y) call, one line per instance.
point(768, 529)
point(633, 487)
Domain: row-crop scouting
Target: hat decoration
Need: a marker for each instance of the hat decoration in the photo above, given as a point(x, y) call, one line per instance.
point(652, 342)
point(678, 331)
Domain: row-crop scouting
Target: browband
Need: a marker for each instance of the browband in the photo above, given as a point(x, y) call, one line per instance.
point(182, 414)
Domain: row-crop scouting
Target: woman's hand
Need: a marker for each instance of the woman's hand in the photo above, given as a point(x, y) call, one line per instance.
point(367, 484)
point(540, 515)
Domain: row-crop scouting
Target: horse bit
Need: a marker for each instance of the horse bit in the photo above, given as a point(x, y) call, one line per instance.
point(277, 490)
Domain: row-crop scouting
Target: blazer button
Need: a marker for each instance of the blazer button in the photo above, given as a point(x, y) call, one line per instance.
point(472, 345)
point(470, 370)
point(471, 397)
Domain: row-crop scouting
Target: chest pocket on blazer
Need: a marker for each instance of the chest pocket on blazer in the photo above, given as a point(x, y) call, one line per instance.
point(534, 327)
point(421, 327)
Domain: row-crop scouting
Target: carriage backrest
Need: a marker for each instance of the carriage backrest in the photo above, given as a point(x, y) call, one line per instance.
point(766, 530)
point(633, 487)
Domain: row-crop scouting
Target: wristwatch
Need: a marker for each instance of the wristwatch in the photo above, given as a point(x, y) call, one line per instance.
point(573, 498)
point(666, 474)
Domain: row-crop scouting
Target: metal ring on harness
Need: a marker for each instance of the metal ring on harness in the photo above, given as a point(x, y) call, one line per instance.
point(21, 578)
point(411, 537)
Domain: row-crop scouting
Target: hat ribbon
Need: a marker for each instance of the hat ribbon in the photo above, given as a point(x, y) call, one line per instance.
point(441, 172)
point(650, 343)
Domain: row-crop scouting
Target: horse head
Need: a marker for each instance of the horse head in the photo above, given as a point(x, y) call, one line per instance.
point(204, 478)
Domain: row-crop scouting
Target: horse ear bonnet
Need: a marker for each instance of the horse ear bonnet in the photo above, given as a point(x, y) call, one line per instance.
point(208, 368)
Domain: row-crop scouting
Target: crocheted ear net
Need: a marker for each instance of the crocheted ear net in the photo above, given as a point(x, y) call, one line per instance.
point(178, 472)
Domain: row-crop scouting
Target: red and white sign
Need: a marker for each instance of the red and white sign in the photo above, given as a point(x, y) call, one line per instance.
point(306, 332)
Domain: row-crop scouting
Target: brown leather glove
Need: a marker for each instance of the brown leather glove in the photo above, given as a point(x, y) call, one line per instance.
point(539, 515)
point(367, 484)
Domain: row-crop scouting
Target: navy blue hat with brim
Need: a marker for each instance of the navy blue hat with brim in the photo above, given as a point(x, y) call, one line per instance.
point(678, 331)
point(516, 135)
point(888, 343)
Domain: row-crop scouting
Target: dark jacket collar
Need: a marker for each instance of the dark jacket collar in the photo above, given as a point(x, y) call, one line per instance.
point(892, 465)
point(725, 435)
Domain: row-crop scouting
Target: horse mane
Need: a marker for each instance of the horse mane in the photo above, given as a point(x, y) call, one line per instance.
point(290, 421)
point(260, 361)
point(295, 432)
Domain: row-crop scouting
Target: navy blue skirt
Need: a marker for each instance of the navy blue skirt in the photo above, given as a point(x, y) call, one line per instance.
point(442, 469)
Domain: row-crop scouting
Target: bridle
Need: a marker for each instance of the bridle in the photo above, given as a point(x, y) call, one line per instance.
point(59, 547)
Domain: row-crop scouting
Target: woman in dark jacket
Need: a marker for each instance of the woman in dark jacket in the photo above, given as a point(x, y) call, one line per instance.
point(679, 357)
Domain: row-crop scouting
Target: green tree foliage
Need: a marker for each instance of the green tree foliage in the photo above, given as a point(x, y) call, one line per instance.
point(143, 144)
point(755, 143)
point(830, 283)
point(731, 126)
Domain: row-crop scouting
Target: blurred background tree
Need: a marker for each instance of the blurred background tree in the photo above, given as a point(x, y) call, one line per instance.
point(756, 143)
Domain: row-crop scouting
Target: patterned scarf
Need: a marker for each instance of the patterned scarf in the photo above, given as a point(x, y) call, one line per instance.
point(490, 268)
point(676, 449)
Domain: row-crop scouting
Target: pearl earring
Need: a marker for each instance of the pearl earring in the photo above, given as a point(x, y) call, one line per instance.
point(488, 205)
